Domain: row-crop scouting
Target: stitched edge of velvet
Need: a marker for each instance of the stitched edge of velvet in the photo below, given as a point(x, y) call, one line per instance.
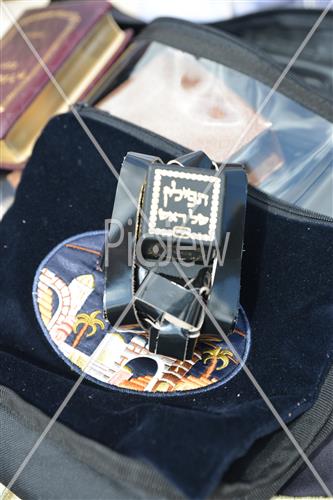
point(74, 367)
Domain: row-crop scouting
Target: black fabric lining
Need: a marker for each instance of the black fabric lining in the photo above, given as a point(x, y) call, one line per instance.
point(273, 460)
point(279, 32)
point(141, 481)
point(259, 475)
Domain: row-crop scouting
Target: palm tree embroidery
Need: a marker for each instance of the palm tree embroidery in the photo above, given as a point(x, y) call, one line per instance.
point(214, 356)
point(87, 320)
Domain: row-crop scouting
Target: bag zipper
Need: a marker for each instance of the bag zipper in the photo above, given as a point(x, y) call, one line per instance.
point(174, 149)
point(224, 48)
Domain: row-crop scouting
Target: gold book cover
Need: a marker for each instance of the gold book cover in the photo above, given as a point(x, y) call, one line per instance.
point(78, 42)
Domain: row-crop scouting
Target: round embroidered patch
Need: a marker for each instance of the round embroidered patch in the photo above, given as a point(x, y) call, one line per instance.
point(68, 301)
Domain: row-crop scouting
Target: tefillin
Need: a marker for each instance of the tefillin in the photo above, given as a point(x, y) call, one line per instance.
point(173, 249)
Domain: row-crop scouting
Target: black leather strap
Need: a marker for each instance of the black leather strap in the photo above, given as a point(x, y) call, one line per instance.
point(223, 301)
point(120, 240)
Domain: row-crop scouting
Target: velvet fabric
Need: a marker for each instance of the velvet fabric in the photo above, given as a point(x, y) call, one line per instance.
point(286, 292)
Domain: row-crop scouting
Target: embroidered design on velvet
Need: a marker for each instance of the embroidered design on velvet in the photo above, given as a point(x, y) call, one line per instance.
point(68, 301)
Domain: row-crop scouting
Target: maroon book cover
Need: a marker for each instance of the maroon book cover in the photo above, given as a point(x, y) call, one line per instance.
point(55, 32)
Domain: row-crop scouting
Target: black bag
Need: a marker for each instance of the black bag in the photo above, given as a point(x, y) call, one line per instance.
point(193, 439)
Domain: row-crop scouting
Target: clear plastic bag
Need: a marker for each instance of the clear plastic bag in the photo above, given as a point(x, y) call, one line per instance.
point(201, 104)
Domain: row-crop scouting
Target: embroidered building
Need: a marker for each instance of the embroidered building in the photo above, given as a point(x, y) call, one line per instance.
point(113, 360)
point(112, 365)
point(70, 299)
